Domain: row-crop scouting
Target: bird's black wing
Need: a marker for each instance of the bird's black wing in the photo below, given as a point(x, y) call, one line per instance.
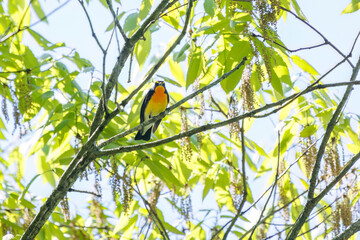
point(145, 103)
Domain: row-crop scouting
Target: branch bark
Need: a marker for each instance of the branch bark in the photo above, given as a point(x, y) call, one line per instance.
point(311, 202)
point(351, 230)
point(86, 153)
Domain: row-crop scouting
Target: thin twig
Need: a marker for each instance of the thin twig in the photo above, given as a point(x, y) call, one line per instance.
point(243, 175)
point(353, 46)
point(320, 34)
point(83, 191)
point(272, 213)
point(290, 50)
point(130, 66)
point(33, 24)
point(91, 26)
point(218, 106)
point(272, 189)
point(116, 20)
point(152, 212)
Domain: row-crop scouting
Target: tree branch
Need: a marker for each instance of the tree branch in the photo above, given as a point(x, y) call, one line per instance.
point(116, 20)
point(272, 189)
point(35, 23)
point(201, 128)
point(320, 34)
point(86, 153)
point(291, 50)
point(271, 214)
point(93, 34)
point(310, 204)
point(124, 54)
point(329, 130)
point(172, 107)
point(349, 231)
point(150, 210)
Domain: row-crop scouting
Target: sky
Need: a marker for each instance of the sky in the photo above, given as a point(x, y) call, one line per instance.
point(70, 25)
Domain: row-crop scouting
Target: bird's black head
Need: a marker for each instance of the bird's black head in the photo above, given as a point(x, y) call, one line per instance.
point(159, 83)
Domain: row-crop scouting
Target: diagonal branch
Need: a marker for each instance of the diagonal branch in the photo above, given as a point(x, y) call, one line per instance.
point(150, 210)
point(311, 203)
point(329, 130)
point(93, 34)
point(351, 230)
point(168, 110)
point(194, 130)
point(109, 117)
point(124, 54)
point(86, 153)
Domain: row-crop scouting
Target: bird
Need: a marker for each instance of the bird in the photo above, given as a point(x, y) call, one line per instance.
point(154, 103)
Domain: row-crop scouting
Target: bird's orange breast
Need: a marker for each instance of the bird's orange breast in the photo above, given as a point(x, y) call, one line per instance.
point(157, 103)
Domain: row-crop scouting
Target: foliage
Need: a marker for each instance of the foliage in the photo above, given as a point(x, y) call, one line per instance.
point(69, 128)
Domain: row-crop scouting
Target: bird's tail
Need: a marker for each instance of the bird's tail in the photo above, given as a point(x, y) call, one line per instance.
point(145, 137)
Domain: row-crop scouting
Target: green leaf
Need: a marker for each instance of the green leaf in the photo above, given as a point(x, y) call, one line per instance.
point(2, 136)
point(162, 172)
point(81, 63)
point(61, 125)
point(298, 10)
point(38, 10)
point(209, 184)
point(229, 58)
point(177, 72)
point(210, 6)
point(30, 60)
point(352, 7)
point(173, 229)
point(112, 24)
point(43, 42)
point(169, 80)
point(27, 204)
point(276, 84)
point(180, 56)
point(27, 187)
point(173, 15)
point(195, 66)
point(142, 49)
point(281, 70)
point(17, 157)
point(309, 131)
point(301, 63)
point(131, 22)
point(145, 8)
